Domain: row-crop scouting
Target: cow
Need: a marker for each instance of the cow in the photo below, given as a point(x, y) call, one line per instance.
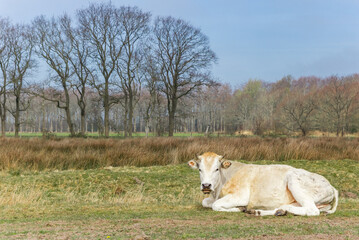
point(263, 189)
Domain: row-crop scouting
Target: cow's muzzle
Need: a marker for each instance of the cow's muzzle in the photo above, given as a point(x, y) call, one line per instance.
point(206, 188)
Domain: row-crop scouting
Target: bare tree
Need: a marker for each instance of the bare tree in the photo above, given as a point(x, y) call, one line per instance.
point(5, 55)
point(300, 103)
point(183, 55)
point(21, 45)
point(277, 91)
point(217, 100)
point(136, 27)
point(54, 46)
point(152, 98)
point(339, 96)
point(251, 106)
point(102, 24)
point(94, 112)
point(80, 62)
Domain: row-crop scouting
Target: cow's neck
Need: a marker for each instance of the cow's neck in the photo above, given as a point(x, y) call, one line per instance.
point(217, 190)
point(225, 176)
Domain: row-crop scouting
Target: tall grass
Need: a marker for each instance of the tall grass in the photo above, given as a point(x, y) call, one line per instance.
point(67, 153)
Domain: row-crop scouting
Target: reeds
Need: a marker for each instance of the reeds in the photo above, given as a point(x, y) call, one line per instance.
point(70, 153)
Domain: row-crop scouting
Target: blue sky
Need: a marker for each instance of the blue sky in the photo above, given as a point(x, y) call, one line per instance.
point(259, 39)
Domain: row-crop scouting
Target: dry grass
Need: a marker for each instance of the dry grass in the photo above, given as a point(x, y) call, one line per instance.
point(38, 154)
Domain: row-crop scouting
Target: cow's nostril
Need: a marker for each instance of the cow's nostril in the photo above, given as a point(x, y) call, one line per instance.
point(206, 185)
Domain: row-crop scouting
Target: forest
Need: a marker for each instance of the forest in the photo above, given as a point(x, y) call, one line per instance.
point(120, 70)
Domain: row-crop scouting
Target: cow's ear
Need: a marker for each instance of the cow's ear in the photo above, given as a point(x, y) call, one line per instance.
point(226, 164)
point(193, 164)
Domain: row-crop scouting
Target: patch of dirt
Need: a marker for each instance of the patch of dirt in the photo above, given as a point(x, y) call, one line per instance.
point(349, 195)
point(144, 228)
point(306, 237)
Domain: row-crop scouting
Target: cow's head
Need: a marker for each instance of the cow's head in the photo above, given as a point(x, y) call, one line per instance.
point(209, 165)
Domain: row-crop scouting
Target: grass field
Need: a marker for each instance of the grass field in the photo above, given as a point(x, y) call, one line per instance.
point(156, 202)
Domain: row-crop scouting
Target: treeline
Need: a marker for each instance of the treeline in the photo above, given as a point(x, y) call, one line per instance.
point(106, 56)
point(288, 106)
point(118, 69)
point(297, 106)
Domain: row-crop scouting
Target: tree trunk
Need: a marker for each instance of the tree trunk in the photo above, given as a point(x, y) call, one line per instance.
point(69, 122)
point(130, 116)
point(140, 123)
point(3, 124)
point(338, 130)
point(192, 125)
point(51, 125)
point(172, 106)
point(207, 131)
point(27, 120)
point(61, 126)
point(147, 126)
point(83, 121)
point(3, 117)
point(338, 124)
point(134, 124)
point(17, 116)
point(125, 121)
point(106, 119)
point(43, 128)
point(68, 114)
point(171, 123)
point(304, 132)
point(106, 104)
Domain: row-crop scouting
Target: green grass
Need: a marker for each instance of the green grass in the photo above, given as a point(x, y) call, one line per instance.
point(162, 202)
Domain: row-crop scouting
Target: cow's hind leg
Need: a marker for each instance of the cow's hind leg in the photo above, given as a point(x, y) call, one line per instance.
point(302, 196)
point(305, 205)
point(282, 210)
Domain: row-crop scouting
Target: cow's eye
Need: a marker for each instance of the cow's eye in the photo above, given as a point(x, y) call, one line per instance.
point(217, 170)
point(200, 170)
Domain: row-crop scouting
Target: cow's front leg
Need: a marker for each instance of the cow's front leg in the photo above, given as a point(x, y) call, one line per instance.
point(230, 203)
point(207, 202)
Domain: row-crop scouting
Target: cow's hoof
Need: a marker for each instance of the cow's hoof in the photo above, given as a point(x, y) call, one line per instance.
point(250, 211)
point(280, 212)
point(242, 209)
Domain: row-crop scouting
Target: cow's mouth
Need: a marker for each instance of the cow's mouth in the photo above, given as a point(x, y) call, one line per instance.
point(206, 191)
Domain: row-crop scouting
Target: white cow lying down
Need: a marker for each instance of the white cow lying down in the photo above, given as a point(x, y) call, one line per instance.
point(269, 189)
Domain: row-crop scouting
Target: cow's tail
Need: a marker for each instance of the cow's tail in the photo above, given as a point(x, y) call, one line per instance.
point(335, 202)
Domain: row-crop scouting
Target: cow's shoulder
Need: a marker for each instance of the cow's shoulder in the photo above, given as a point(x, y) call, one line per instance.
point(238, 176)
